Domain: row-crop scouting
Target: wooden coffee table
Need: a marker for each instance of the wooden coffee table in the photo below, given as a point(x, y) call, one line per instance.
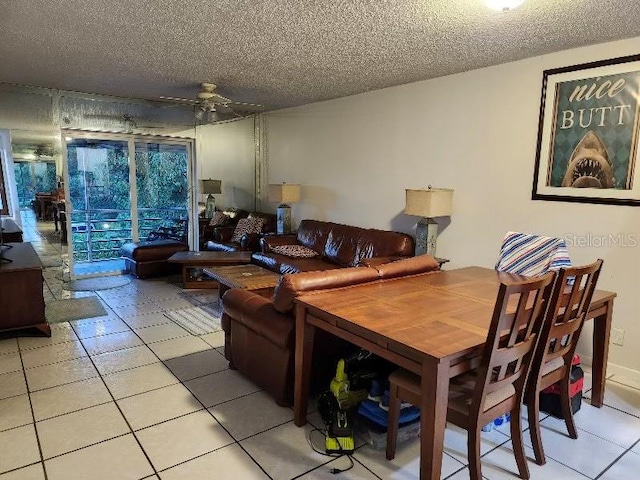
point(197, 260)
point(251, 277)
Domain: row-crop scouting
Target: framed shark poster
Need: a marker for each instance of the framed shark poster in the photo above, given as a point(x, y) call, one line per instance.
point(588, 143)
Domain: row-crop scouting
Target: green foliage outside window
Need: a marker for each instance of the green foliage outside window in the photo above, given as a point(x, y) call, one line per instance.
point(100, 190)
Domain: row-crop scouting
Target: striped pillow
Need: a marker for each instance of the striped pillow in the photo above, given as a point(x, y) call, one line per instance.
point(532, 255)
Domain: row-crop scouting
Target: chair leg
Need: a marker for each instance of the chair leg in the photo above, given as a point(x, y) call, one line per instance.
point(533, 411)
point(567, 413)
point(473, 453)
point(394, 420)
point(518, 445)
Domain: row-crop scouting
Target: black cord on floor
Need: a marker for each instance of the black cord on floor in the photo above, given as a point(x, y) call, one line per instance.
point(334, 455)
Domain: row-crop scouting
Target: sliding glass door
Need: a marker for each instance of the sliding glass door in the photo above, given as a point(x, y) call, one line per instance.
point(162, 184)
point(117, 197)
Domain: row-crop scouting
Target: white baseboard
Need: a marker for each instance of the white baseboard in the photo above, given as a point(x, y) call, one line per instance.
point(617, 373)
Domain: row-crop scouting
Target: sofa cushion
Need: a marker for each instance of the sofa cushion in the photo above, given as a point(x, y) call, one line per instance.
point(407, 266)
point(282, 264)
point(313, 234)
point(342, 244)
point(291, 286)
point(269, 221)
point(383, 243)
point(219, 219)
point(152, 250)
point(295, 251)
point(247, 226)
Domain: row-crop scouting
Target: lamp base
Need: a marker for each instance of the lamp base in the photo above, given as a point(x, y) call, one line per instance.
point(210, 208)
point(283, 219)
point(426, 235)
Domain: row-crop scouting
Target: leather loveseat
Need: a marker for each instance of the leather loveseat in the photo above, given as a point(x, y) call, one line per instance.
point(260, 332)
point(209, 232)
point(221, 237)
point(335, 246)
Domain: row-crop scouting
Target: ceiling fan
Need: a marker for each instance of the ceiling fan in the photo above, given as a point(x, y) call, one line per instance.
point(211, 107)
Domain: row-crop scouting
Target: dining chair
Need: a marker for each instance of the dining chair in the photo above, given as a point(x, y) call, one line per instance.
point(497, 385)
point(557, 344)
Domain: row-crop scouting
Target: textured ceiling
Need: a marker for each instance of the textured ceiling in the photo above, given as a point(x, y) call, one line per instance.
point(283, 53)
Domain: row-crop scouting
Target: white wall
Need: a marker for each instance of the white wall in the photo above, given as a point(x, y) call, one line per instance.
point(475, 132)
point(227, 152)
point(9, 177)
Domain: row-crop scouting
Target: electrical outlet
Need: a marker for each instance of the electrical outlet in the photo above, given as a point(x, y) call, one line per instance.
point(617, 336)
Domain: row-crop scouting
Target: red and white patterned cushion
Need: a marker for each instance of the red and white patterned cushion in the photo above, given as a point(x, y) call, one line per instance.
point(247, 225)
point(295, 251)
point(219, 219)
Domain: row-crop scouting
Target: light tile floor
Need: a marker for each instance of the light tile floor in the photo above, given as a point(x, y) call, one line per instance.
point(132, 395)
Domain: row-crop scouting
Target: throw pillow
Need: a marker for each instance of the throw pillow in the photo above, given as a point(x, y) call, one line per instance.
point(247, 226)
point(295, 251)
point(219, 219)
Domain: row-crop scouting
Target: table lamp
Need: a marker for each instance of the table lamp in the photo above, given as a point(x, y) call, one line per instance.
point(428, 203)
point(210, 188)
point(285, 194)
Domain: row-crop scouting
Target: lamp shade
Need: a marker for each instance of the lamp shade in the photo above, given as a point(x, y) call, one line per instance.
point(432, 202)
point(210, 186)
point(284, 193)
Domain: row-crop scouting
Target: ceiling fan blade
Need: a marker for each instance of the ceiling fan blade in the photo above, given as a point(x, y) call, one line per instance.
point(223, 108)
point(180, 101)
point(220, 99)
point(246, 107)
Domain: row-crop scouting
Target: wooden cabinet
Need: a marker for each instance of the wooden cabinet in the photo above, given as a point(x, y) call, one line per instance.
point(10, 231)
point(21, 299)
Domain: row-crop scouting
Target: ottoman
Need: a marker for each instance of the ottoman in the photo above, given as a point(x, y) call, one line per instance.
point(149, 259)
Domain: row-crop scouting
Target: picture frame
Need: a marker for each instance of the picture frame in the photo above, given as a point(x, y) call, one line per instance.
point(588, 133)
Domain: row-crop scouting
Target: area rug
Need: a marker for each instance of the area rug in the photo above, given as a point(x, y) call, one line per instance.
point(198, 320)
point(69, 309)
point(98, 283)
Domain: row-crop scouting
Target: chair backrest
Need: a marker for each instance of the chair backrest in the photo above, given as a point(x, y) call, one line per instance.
point(531, 255)
point(565, 316)
point(517, 320)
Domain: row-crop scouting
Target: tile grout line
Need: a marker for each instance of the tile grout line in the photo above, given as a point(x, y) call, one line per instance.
point(155, 471)
point(33, 416)
point(213, 416)
point(630, 449)
point(208, 411)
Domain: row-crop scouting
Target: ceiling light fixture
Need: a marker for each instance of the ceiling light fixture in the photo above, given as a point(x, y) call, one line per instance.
point(504, 5)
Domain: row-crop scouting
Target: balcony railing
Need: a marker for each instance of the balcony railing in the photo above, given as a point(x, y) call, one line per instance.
point(98, 234)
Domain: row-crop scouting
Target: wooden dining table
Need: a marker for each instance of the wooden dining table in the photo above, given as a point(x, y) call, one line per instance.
point(434, 325)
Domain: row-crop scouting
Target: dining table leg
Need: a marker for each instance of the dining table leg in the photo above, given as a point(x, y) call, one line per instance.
point(433, 416)
point(601, 334)
point(304, 351)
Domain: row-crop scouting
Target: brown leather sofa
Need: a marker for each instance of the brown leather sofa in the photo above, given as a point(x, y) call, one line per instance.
point(209, 232)
point(221, 236)
point(149, 258)
point(260, 332)
point(337, 246)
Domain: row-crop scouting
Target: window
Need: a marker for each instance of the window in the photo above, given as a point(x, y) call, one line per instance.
point(4, 206)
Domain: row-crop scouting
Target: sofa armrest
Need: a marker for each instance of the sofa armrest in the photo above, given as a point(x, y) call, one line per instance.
point(257, 314)
point(267, 242)
point(377, 261)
